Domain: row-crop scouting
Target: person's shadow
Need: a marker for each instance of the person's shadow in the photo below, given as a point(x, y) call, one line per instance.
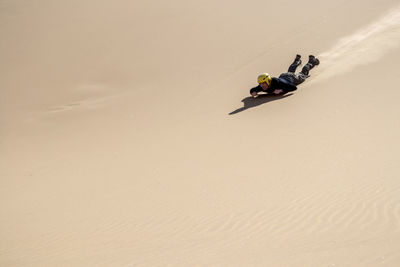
point(250, 102)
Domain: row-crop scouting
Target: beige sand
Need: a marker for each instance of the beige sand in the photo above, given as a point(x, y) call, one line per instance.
point(117, 147)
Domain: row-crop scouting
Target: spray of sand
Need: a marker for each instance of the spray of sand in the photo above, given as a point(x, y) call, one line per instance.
point(365, 46)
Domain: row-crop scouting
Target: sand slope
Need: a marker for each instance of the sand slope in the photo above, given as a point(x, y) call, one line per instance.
point(128, 137)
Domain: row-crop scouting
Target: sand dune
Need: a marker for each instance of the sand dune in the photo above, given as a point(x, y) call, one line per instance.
point(128, 137)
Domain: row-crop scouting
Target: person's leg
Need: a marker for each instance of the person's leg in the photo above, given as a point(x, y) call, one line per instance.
point(288, 76)
point(299, 78)
point(295, 64)
point(312, 62)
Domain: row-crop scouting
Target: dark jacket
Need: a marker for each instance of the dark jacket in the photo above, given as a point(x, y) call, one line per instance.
point(276, 83)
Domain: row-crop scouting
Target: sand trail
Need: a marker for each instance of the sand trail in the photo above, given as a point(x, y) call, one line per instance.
point(366, 46)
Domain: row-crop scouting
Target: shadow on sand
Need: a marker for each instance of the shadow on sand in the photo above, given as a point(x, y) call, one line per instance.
point(250, 102)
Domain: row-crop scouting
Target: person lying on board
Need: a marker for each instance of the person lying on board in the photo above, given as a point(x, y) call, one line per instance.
point(287, 81)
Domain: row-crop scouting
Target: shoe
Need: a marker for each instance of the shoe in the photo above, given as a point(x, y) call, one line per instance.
point(298, 60)
point(313, 60)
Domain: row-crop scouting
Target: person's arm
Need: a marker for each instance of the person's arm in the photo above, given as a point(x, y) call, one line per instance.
point(278, 91)
point(254, 91)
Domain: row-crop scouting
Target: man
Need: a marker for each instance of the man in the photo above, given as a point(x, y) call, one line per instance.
point(287, 81)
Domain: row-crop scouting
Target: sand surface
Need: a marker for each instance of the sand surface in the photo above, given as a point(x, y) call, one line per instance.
point(128, 138)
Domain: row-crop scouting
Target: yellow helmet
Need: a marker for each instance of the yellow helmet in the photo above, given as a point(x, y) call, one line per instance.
point(265, 77)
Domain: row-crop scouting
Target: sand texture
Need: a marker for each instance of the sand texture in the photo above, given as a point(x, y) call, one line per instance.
point(128, 137)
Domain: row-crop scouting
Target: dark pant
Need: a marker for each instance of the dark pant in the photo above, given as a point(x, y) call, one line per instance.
point(305, 70)
point(294, 78)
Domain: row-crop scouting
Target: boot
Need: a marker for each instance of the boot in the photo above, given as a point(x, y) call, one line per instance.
point(298, 60)
point(313, 60)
